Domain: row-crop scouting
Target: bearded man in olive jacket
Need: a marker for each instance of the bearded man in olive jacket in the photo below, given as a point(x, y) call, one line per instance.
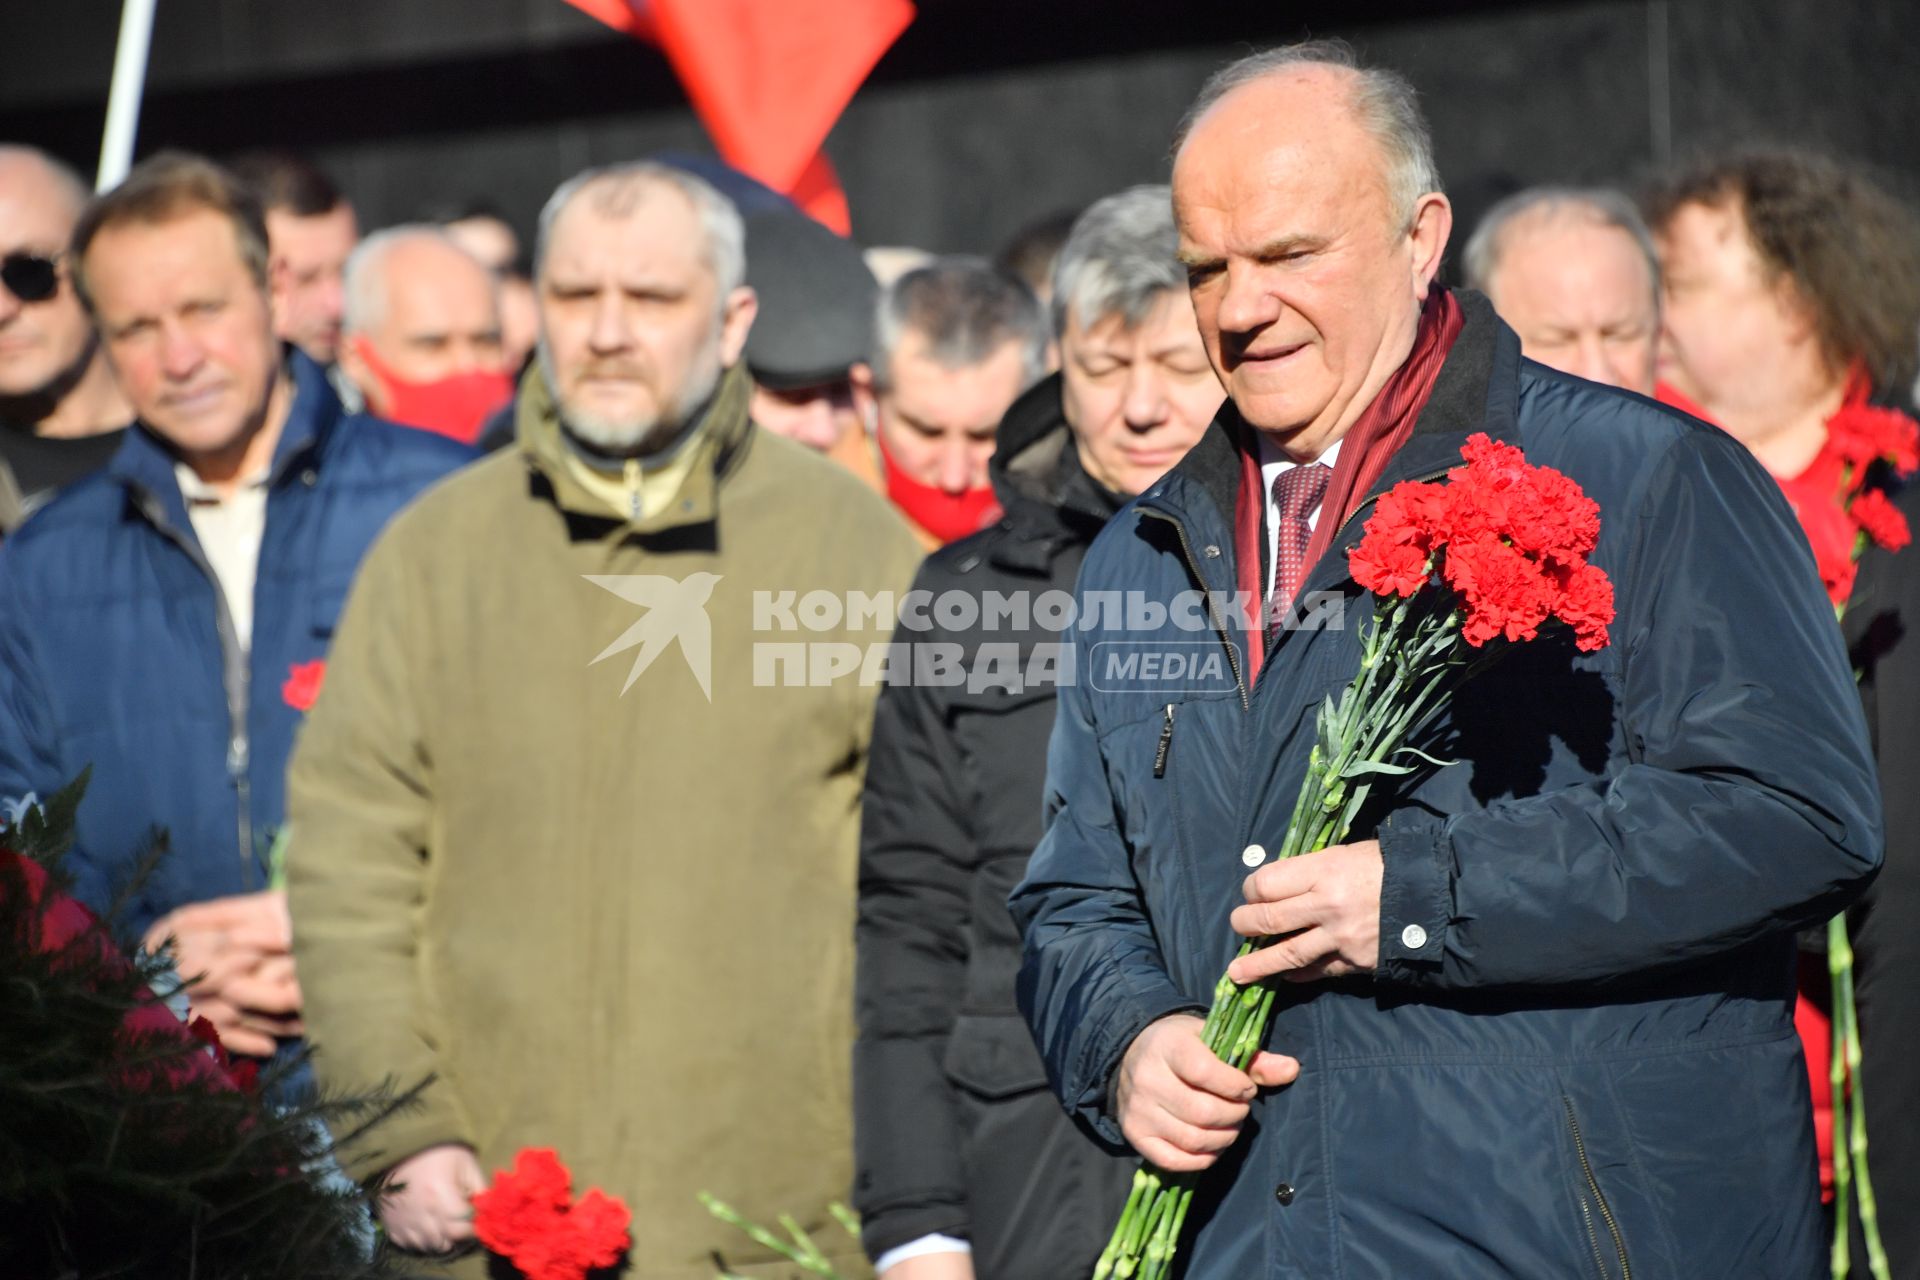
point(606, 905)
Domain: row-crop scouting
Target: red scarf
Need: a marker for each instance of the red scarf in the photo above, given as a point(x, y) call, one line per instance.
point(947, 516)
point(1369, 444)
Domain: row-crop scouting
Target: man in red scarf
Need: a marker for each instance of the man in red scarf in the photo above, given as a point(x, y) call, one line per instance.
point(955, 344)
point(1535, 1017)
point(421, 336)
point(1792, 298)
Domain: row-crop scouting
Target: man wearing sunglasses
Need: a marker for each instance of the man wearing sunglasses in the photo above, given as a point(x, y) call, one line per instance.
point(61, 413)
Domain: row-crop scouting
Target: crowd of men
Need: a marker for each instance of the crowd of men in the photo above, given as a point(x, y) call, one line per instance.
point(427, 597)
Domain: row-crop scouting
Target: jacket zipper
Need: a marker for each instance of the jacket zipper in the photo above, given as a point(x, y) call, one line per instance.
point(1166, 745)
point(1213, 605)
point(234, 678)
point(633, 489)
point(1599, 1198)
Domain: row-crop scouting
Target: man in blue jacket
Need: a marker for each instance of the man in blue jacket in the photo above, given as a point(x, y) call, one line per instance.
point(1540, 1024)
point(165, 619)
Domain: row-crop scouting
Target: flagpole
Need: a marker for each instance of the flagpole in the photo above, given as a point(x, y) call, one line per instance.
point(123, 99)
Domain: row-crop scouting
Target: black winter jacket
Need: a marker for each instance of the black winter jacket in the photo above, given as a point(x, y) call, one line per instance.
point(1576, 1057)
point(955, 1131)
point(1883, 630)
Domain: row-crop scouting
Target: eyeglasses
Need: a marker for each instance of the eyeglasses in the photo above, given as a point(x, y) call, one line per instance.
point(30, 277)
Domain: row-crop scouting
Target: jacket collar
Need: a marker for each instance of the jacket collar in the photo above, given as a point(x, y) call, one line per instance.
point(722, 435)
point(1035, 470)
point(144, 463)
point(1478, 390)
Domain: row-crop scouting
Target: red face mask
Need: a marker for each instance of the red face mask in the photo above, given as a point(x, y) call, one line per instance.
point(948, 517)
point(456, 405)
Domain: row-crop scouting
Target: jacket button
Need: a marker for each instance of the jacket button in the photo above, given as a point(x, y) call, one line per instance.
point(1253, 855)
point(309, 477)
point(1284, 1193)
point(1212, 551)
point(1413, 937)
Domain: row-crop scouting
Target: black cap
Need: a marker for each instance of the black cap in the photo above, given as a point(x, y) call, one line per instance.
point(816, 301)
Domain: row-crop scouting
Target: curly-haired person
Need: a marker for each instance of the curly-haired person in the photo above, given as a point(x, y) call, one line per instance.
point(1792, 312)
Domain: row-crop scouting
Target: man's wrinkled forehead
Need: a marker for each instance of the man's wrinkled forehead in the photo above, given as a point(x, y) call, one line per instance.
point(603, 217)
point(1301, 121)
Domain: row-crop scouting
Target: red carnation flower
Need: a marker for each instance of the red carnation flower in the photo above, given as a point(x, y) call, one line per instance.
point(529, 1218)
point(303, 684)
point(1864, 433)
point(1586, 605)
point(1512, 540)
point(1880, 520)
point(1506, 593)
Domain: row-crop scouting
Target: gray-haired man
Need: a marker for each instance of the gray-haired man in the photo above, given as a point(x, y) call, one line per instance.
point(1575, 274)
point(955, 342)
point(965, 1162)
point(509, 875)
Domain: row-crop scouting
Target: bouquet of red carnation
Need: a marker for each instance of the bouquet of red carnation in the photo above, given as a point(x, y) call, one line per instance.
point(1460, 571)
point(530, 1218)
point(1860, 438)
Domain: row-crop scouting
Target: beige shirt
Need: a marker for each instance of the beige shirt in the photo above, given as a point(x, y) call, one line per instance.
point(229, 529)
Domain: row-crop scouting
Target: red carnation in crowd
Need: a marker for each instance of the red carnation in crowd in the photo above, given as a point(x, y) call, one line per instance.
point(529, 1217)
point(1880, 520)
point(1863, 434)
point(1510, 538)
point(303, 683)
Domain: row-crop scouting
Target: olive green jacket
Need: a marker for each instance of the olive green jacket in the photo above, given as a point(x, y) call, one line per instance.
point(606, 909)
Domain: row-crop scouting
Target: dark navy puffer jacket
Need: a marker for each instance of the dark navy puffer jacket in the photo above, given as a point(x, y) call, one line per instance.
point(116, 650)
point(1576, 1057)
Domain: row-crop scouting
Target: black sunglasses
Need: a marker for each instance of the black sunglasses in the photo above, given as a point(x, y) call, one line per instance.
point(30, 277)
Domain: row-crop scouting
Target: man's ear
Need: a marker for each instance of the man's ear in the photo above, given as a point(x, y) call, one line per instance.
point(865, 403)
point(1432, 225)
point(736, 319)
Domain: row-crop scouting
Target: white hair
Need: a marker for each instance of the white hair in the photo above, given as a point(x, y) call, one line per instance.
point(1119, 259)
point(1384, 102)
point(617, 190)
point(364, 282)
point(1596, 206)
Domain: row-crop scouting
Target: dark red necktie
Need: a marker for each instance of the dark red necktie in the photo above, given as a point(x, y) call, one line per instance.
point(1297, 493)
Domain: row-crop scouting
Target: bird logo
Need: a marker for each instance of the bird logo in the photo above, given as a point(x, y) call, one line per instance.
point(676, 609)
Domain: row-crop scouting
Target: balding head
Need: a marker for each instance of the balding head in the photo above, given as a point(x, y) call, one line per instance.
point(1312, 226)
point(43, 339)
point(1574, 273)
point(419, 310)
point(32, 170)
point(1381, 103)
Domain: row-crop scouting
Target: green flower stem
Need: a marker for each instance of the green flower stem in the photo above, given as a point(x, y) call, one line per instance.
point(1849, 1116)
point(1408, 665)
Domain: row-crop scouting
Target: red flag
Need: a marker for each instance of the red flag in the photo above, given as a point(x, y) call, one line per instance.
point(768, 78)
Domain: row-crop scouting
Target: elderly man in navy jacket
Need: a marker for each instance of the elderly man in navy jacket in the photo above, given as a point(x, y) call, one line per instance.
point(166, 619)
point(1540, 1023)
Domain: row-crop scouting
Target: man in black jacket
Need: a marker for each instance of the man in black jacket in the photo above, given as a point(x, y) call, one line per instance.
point(966, 1164)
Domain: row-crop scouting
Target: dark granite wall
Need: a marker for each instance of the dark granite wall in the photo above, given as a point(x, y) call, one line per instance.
point(988, 113)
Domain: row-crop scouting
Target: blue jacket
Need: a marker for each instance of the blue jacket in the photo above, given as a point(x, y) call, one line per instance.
point(1577, 1054)
point(116, 650)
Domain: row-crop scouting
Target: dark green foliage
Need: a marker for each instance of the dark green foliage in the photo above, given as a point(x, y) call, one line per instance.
point(125, 1149)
